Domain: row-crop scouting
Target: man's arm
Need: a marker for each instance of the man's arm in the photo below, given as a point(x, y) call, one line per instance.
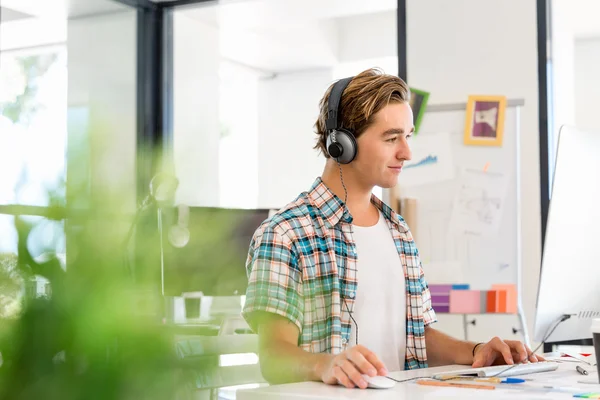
point(282, 361)
point(445, 350)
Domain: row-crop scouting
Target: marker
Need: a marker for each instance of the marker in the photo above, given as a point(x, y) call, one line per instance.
point(459, 385)
point(501, 380)
point(581, 370)
point(513, 380)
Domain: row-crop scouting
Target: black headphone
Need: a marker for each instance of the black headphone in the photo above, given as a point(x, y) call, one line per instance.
point(341, 143)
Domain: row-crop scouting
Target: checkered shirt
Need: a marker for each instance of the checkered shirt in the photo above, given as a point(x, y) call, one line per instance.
point(302, 262)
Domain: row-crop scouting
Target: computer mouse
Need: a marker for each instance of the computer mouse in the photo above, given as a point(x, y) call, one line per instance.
point(378, 382)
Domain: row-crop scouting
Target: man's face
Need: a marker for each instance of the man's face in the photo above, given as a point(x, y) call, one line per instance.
point(383, 147)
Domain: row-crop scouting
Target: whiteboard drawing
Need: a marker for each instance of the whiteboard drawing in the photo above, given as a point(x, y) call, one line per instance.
point(479, 202)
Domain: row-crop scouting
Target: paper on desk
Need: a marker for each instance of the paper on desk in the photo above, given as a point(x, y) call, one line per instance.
point(565, 379)
point(590, 381)
point(462, 393)
point(566, 375)
point(590, 360)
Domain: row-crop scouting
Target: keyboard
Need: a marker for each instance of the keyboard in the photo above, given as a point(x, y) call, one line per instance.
point(502, 370)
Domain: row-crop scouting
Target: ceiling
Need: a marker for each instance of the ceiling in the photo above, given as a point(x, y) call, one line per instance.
point(582, 15)
point(265, 14)
point(61, 8)
point(8, 14)
point(275, 36)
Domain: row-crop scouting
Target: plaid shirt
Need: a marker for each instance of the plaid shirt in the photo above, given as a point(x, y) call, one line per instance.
point(302, 260)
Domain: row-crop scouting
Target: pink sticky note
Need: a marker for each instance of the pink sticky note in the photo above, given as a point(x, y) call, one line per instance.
point(465, 301)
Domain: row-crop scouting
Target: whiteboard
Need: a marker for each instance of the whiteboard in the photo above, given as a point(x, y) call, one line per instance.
point(451, 254)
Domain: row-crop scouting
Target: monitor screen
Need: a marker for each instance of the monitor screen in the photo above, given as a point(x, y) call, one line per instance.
point(213, 261)
point(570, 263)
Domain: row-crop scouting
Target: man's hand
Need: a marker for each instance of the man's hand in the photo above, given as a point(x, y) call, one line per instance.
point(498, 352)
point(347, 367)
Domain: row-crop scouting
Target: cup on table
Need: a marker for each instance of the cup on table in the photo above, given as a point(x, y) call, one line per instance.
point(192, 304)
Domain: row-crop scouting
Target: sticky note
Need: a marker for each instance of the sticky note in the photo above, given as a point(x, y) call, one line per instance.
point(511, 296)
point(462, 286)
point(465, 301)
point(483, 301)
point(440, 299)
point(441, 308)
point(440, 289)
point(491, 301)
point(501, 301)
point(496, 301)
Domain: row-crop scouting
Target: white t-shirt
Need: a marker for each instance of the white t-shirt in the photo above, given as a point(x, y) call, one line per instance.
point(380, 303)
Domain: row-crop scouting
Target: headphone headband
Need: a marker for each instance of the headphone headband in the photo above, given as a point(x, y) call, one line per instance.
point(335, 98)
point(340, 143)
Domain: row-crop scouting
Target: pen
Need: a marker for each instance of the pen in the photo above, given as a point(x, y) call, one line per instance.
point(500, 380)
point(581, 370)
point(451, 384)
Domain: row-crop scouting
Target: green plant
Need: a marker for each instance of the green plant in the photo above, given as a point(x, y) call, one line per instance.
point(11, 286)
point(90, 338)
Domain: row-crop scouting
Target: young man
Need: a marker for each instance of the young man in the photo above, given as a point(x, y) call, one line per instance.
point(337, 262)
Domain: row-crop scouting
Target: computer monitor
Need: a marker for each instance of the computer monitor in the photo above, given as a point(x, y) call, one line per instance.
point(212, 262)
point(570, 275)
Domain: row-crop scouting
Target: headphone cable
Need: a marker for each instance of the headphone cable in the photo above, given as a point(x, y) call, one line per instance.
point(343, 185)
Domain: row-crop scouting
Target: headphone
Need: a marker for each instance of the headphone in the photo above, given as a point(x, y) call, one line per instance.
point(341, 143)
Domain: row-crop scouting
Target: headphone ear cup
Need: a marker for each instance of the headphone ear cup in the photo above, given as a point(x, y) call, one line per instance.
point(335, 150)
point(345, 140)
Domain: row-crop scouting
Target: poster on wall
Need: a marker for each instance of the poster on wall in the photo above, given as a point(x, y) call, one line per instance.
point(418, 104)
point(431, 160)
point(484, 122)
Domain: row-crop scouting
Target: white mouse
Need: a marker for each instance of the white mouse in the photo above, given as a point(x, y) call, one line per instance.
point(378, 382)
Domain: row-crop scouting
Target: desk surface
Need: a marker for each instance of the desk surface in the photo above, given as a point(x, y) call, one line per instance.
point(566, 376)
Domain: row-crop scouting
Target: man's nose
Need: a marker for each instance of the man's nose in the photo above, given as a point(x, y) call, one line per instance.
point(404, 152)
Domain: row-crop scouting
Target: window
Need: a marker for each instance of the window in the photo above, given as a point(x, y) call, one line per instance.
point(33, 100)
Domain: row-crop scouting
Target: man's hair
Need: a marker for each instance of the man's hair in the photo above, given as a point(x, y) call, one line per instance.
point(367, 94)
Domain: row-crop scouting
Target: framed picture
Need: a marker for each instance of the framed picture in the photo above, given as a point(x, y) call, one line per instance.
point(484, 122)
point(418, 103)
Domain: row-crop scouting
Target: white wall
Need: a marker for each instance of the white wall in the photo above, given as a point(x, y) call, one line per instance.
point(102, 105)
point(587, 83)
point(196, 134)
point(288, 108)
point(562, 60)
point(32, 32)
point(467, 47)
point(292, 65)
point(368, 36)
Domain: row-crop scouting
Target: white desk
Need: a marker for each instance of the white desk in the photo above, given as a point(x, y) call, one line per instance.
point(564, 376)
